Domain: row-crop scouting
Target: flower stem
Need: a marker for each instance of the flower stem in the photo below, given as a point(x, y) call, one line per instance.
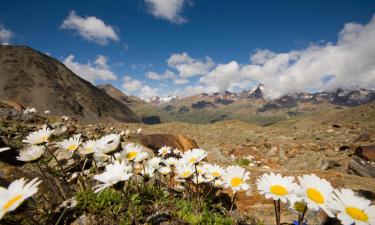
point(301, 217)
point(233, 199)
point(58, 163)
point(132, 208)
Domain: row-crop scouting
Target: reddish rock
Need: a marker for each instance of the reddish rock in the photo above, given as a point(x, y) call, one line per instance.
point(156, 141)
point(13, 105)
point(366, 152)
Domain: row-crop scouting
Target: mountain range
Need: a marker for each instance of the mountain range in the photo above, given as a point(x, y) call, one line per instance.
point(34, 79)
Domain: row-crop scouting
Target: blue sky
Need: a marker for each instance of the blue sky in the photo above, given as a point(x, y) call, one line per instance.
point(211, 45)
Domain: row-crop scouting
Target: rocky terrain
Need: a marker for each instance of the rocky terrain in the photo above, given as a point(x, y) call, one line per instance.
point(336, 145)
point(34, 79)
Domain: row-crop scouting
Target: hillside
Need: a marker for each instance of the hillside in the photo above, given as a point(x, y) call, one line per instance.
point(36, 80)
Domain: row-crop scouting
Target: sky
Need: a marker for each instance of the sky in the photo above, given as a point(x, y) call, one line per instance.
point(184, 47)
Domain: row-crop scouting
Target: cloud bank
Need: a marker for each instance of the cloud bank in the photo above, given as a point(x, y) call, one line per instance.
point(348, 62)
point(90, 28)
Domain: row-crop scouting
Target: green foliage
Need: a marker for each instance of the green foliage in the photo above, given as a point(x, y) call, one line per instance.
point(242, 161)
point(108, 202)
point(209, 215)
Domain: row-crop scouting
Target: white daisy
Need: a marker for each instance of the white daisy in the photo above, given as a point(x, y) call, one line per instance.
point(87, 147)
point(38, 137)
point(142, 156)
point(31, 153)
point(70, 144)
point(165, 170)
point(171, 161)
point(17, 192)
point(165, 150)
point(107, 144)
point(154, 162)
point(114, 173)
point(214, 170)
point(132, 151)
point(194, 156)
point(276, 187)
point(352, 209)
point(316, 192)
point(184, 171)
point(235, 177)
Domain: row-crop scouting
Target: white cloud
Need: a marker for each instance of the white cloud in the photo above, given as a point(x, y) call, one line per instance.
point(91, 72)
point(5, 35)
point(147, 92)
point(348, 62)
point(135, 87)
point(169, 10)
point(189, 67)
point(223, 76)
point(131, 85)
point(90, 28)
point(165, 76)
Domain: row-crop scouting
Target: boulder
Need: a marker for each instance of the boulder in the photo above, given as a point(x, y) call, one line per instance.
point(366, 152)
point(179, 141)
point(12, 104)
point(361, 167)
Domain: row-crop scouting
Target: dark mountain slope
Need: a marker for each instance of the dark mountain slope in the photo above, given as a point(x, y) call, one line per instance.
point(34, 79)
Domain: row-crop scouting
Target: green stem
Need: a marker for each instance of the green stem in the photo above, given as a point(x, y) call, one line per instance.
point(233, 199)
point(132, 208)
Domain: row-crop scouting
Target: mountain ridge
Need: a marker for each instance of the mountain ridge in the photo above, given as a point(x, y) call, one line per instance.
point(35, 79)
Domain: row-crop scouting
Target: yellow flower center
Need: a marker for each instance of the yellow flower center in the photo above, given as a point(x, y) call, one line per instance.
point(236, 181)
point(193, 159)
point(72, 147)
point(315, 196)
point(164, 151)
point(356, 213)
point(216, 174)
point(131, 155)
point(186, 174)
point(278, 190)
point(11, 202)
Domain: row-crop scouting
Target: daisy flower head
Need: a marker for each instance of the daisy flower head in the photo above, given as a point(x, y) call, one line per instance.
point(316, 192)
point(132, 151)
point(114, 173)
point(276, 187)
point(199, 179)
point(17, 192)
point(31, 153)
point(171, 161)
point(154, 162)
point(38, 137)
point(215, 171)
point(184, 171)
point(165, 150)
point(165, 170)
point(107, 144)
point(297, 204)
point(87, 147)
point(194, 156)
point(352, 209)
point(235, 177)
point(70, 144)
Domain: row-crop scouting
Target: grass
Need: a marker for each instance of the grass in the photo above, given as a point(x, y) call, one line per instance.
point(149, 200)
point(242, 161)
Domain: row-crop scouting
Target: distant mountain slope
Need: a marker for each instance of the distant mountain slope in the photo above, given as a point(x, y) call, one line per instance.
point(34, 79)
point(117, 94)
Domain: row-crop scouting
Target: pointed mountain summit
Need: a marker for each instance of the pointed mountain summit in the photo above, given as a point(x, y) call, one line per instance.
point(37, 80)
